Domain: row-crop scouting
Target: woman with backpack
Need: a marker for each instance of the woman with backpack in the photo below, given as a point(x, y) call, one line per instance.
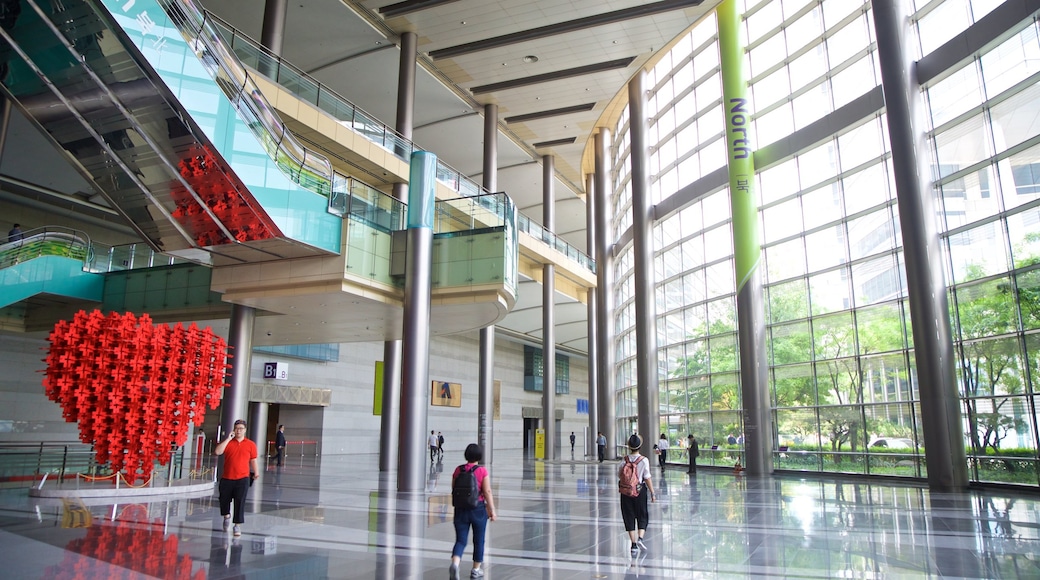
point(474, 507)
point(635, 487)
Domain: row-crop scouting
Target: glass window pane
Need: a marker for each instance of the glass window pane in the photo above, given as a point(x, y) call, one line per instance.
point(778, 181)
point(821, 206)
point(826, 248)
point(811, 105)
point(1016, 119)
point(788, 301)
point(947, 20)
point(789, 343)
point(848, 41)
point(804, 30)
point(723, 353)
point(985, 309)
point(852, 82)
point(954, 95)
point(1012, 62)
point(771, 89)
point(1024, 233)
point(786, 260)
point(770, 52)
point(887, 379)
point(819, 164)
point(794, 386)
point(720, 279)
point(718, 244)
point(865, 189)
point(970, 198)
point(829, 292)
point(808, 67)
point(1023, 185)
point(774, 125)
point(860, 145)
point(877, 280)
point(880, 328)
point(782, 220)
point(872, 234)
point(961, 146)
point(1028, 291)
point(977, 252)
point(694, 288)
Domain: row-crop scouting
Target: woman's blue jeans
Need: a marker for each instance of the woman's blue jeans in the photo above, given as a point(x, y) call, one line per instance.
point(464, 518)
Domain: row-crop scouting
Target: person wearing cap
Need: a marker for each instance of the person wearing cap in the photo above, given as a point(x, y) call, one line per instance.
point(240, 469)
point(634, 510)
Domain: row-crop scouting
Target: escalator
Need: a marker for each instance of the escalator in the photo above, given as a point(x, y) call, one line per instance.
point(146, 102)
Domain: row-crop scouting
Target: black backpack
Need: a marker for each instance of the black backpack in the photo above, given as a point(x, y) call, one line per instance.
point(465, 493)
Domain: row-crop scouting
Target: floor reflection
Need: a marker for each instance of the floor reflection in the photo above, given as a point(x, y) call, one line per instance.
point(345, 519)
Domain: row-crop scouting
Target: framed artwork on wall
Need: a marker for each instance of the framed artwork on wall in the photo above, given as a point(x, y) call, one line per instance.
point(446, 394)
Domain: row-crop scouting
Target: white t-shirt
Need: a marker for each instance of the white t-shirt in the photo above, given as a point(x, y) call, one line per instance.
point(642, 466)
point(432, 440)
point(662, 444)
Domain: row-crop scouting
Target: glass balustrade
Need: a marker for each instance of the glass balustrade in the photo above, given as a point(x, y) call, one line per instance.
point(307, 89)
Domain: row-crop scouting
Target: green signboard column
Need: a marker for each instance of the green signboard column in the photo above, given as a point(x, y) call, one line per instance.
point(747, 251)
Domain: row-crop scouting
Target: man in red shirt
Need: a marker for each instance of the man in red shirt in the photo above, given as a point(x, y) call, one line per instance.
point(240, 469)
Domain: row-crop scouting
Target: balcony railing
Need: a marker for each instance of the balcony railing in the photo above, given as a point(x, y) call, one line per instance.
point(304, 87)
point(46, 241)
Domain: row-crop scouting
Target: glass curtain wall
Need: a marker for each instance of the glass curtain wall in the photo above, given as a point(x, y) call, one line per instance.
point(839, 342)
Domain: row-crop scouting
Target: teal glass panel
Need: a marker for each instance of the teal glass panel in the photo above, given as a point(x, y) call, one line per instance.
point(55, 275)
point(455, 263)
point(368, 251)
point(319, 352)
point(421, 190)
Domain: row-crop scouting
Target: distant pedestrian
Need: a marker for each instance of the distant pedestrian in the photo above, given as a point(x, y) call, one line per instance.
point(432, 442)
point(471, 517)
point(440, 444)
point(572, 441)
point(634, 509)
point(694, 449)
point(662, 451)
point(601, 445)
point(15, 233)
point(279, 445)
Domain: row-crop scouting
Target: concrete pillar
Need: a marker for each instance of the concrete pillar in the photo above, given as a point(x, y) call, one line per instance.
point(549, 314)
point(257, 429)
point(235, 403)
point(604, 291)
point(389, 423)
point(415, 361)
point(486, 378)
point(933, 338)
point(747, 251)
point(647, 405)
point(593, 328)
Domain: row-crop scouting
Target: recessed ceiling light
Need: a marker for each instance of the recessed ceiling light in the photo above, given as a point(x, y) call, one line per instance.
point(463, 23)
point(503, 64)
point(613, 42)
point(530, 58)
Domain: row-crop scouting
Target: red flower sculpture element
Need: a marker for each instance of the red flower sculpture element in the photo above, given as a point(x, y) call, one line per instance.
point(112, 549)
point(223, 195)
point(133, 387)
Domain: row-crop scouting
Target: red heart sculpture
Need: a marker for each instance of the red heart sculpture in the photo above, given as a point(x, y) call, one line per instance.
point(133, 387)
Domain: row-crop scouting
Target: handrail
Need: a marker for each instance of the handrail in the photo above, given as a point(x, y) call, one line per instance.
point(308, 169)
point(308, 89)
point(60, 460)
point(46, 241)
point(105, 258)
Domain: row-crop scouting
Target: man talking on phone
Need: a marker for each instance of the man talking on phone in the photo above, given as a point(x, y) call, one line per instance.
point(240, 469)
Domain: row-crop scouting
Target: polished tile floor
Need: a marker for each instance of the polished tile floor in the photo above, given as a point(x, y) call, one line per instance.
point(559, 520)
